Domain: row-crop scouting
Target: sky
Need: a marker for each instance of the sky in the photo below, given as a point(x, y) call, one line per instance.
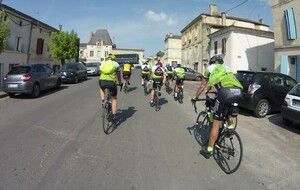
point(135, 24)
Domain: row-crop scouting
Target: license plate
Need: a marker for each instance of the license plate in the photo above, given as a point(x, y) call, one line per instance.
point(63, 77)
point(296, 103)
point(12, 85)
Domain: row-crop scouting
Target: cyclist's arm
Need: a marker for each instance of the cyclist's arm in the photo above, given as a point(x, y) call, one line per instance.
point(201, 87)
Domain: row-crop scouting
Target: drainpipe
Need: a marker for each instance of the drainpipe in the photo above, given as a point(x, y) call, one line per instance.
point(30, 35)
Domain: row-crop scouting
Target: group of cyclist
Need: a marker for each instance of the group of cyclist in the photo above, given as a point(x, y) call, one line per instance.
point(216, 75)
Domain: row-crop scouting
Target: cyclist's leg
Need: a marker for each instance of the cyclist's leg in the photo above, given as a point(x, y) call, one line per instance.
point(114, 102)
point(152, 91)
point(101, 91)
point(176, 87)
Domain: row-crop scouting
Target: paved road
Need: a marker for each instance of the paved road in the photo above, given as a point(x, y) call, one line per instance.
point(56, 142)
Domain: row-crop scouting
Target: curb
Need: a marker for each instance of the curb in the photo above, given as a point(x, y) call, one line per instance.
point(3, 94)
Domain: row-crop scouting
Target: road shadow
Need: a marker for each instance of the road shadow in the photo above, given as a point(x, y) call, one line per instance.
point(130, 89)
point(123, 115)
point(276, 119)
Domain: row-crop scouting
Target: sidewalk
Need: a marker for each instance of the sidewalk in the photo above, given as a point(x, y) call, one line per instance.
point(3, 94)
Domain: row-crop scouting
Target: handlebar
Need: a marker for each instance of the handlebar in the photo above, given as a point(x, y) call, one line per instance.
point(207, 97)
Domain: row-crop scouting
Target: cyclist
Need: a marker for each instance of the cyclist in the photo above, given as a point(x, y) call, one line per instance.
point(145, 73)
point(126, 72)
point(158, 74)
point(229, 89)
point(170, 74)
point(110, 73)
point(179, 73)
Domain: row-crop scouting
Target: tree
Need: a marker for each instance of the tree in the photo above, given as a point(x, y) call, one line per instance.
point(64, 45)
point(4, 32)
point(160, 54)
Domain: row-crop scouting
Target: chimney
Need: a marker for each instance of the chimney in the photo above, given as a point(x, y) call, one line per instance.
point(261, 21)
point(213, 9)
point(91, 35)
point(223, 19)
point(171, 34)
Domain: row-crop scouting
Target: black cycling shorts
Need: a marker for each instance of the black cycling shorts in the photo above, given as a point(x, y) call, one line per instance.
point(157, 81)
point(225, 97)
point(126, 74)
point(170, 76)
point(179, 80)
point(145, 76)
point(111, 85)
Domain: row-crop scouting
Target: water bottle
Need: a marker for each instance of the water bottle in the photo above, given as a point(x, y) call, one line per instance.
point(210, 117)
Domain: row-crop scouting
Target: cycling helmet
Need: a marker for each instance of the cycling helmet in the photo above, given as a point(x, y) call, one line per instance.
point(216, 60)
point(111, 56)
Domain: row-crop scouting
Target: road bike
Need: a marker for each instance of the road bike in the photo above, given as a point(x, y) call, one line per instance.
point(168, 87)
point(228, 149)
point(108, 121)
point(157, 94)
point(146, 87)
point(180, 92)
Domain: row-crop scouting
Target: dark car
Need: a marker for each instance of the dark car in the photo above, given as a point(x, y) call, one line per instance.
point(73, 72)
point(31, 79)
point(264, 92)
point(191, 74)
point(290, 109)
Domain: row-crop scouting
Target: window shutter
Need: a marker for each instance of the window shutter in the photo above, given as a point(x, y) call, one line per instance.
point(290, 24)
point(284, 62)
point(298, 69)
point(39, 46)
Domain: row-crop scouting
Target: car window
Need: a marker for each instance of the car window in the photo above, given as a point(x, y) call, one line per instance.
point(48, 69)
point(40, 68)
point(277, 80)
point(244, 76)
point(290, 82)
point(295, 91)
point(19, 70)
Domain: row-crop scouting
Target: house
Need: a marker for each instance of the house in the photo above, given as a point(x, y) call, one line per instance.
point(100, 45)
point(27, 42)
point(244, 48)
point(195, 40)
point(286, 14)
point(172, 49)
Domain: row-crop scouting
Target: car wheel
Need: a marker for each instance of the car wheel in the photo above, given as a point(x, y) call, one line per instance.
point(11, 95)
point(262, 108)
point(75, 79)
point(85, 77)
point(58, 83)
point(286, 121)
point(35, 91)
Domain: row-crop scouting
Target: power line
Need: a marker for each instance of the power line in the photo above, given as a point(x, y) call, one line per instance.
point(236, 6)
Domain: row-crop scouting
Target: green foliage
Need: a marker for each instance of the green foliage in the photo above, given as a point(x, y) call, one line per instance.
point(64, 45)
point(4, 32)
point(160, 54)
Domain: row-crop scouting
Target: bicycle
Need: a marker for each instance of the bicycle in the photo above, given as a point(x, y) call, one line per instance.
point(180, 92)
point(146, 84)
point(107, 119)
point(125, 88)
point(156, 96)
point(228, 151)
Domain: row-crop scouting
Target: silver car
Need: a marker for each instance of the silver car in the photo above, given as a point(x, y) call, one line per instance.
point(93, 68)
point(191, 74)
point(31, 79)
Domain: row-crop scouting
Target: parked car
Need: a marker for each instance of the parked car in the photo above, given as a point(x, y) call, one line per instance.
point(264, 92)
point(290, 109)
point(93, 68)
point(191, 74)
point(31, 79)
point(73, 72)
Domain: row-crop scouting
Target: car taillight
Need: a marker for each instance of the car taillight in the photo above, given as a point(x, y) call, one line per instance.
point(26, 77)
point(285, 104)
point(253, 87)
point(5, 78)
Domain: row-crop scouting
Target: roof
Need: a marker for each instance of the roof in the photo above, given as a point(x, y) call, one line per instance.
point(101, 35)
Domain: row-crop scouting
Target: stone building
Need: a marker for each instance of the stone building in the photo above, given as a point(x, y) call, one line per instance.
point(172, 49)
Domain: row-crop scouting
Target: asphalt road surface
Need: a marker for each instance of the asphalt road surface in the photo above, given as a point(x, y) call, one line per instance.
point(57, 142)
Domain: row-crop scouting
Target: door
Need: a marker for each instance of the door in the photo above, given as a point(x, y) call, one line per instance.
point(51, 77)
point(279, 90)
point(42, 76)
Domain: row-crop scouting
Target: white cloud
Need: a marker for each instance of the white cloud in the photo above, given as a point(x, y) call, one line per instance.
point(160, 17)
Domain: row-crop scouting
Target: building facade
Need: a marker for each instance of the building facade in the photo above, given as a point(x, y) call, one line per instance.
point(27, 42)
point(195, 40)
point(244, 48)
point(286, 17)
point(100, 45)
point(172, 49)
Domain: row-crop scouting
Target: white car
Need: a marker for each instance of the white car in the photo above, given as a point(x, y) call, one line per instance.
point(93, 68)
point(290, 110)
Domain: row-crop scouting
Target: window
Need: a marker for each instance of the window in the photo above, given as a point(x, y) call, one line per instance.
point(223, 45)
point(290, 24)
point(18, 44)
point(39, 46)
point(216, 47)
point(91, 53)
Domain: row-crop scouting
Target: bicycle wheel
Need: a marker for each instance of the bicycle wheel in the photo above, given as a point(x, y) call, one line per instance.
point(145, 89)
point(180, 96)
point(229, 151)
point(202, 129)
point(235, 121)
point(105, 114)
point(157, 106)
